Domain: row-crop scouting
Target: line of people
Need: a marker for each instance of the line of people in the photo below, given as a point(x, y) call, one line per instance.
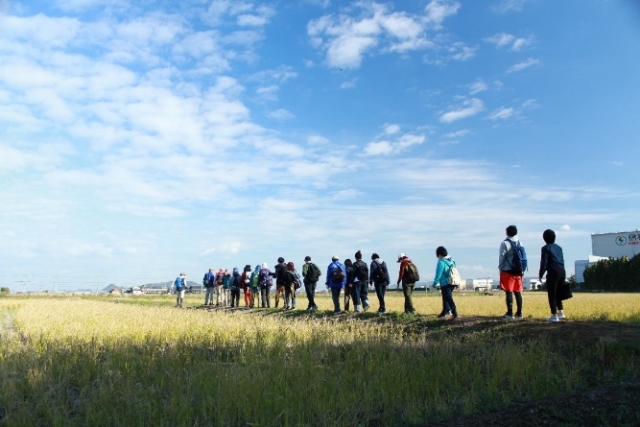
point(355, 277)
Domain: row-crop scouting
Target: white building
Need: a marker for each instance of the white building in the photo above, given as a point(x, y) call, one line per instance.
point(609, 245)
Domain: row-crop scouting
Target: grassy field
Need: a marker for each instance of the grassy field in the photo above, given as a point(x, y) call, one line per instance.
point(139, 361)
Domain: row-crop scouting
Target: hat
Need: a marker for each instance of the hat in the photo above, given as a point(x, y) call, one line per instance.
point(182, 274)
point(307, 258)
point(280, 259)
point(264, 265)
point(401, 256)
point(335, 258)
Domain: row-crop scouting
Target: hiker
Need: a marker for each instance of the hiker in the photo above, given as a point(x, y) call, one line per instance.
point(245, 281)
point(443, 271)
point(226, 288)
point(379, 277)
point(255, 287)
point(219, 285)
point(552, 263)
point(408, 275)
point(235, 285)
point(360, 280)
point(209, 283)
point(180, 285)
point(348, 289)
point(336, 280)
point(510, 273)
point(294, 282)
point(311, 274)
point(281, 279)
point(265, 278)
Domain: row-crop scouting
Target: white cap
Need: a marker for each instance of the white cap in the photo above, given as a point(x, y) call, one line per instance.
point(335, 257)
point(402, 256)
point(264, 265)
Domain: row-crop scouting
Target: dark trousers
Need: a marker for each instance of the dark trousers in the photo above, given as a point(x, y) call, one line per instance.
point(407, 290)
point(360, 293)
point(235, 297)
point(555, 279)
point(381, 288)
point(445, 305)
point(265, 297)
point(310, 289)
point(335, 296)
point(510, 302)
point(447, 296)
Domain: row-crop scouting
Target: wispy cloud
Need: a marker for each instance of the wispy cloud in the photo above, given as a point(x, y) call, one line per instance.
point(501, 113)
point(469, 107)
point(477, 87)
point(281, 114)
point(393, 146)
point(503, 6)
point(523, 65)
point(508, 40)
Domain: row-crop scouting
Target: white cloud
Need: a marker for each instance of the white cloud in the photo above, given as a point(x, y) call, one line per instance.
point(504, 39)
point(377, 148)
point(566, 227)
point(317, 140)
point(390, 129)
point(458, 134)
point(346, 39)
point(501, 113)
point(348, 84)
point(523, 65)
point(401, 143)
point(477, 87)
point(504, 6)
point(281, 114)
point(470, 107)
point(268, 93)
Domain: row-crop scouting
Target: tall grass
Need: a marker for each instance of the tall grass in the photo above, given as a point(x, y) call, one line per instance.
point(93, 362)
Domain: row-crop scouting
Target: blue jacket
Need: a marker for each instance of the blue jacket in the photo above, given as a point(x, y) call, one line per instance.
point(443, 269)
point(330, 283)
point(550, 258)
point(209, 280)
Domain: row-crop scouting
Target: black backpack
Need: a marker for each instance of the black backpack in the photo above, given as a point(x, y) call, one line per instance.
point(361, 271)
point(381, 274)
point(411, 274)
point(337, 275)
point(313, 273)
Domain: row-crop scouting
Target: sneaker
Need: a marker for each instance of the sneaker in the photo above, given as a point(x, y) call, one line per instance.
point(366, 307)
point(507, 316)
point(553, 319)
point(518, 316)
point(382, 311)
point(337, 312)
point(561, 316)
point(409, 313)
point(452, 317)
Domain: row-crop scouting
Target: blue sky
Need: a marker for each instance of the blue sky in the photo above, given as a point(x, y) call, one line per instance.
point(141, 139)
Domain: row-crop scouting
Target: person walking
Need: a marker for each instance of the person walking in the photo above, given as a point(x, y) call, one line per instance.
point(209, 283)
point(408, 275)
point(336, 280)
point(180, 285)
point(281, 279)
point(379, 277)
point(443, 271)
point(510, 273)
point(294, 282)
point(360, 280)
point(311, 274)
point(255, 287)
point(219, 286)
point(245, 281)
point(235, 285)
point(226, 288)
point(265, 278)
point(552, 263)
point(348, 289)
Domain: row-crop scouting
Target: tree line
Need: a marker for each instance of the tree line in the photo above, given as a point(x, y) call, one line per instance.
point(614, 274)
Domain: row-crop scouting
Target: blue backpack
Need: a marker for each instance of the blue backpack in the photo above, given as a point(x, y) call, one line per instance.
point(178, 284)
point(519, 263)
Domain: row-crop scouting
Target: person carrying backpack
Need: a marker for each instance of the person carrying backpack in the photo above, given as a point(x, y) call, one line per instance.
point(234, 286)
point(219, 285)
point(336, 280)
point(294, 282)
point(511, 271)
point(443, 271)
point(408, 275)
point(255, 287)
point(379, 277)
point(209, 283)
point(265, 278)
point(311, 274)
point(360, 284)
point(245, 281)
point(348, 288)
point(180, 285)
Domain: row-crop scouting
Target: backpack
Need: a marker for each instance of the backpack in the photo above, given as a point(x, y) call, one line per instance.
point(454, 276)
point(296, 280)
point(381, 273)
point(411, 273)
point(361, 272)
point(337, 275)
point(220, 279)
point(205, 280)
point(179, 284)
point(265, 279)
point(313, 273)
point(519, 263)
point(255, 281)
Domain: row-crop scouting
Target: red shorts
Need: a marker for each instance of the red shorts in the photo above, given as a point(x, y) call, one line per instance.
point(510, 282)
